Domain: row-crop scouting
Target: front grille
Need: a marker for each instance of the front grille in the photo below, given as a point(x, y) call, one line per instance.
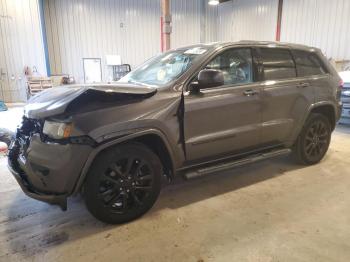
point(30, 127)
point(19, 146)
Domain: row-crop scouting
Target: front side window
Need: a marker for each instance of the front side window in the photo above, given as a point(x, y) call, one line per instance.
point(277, 63)
point(308, 64)
point(164, 68)
point(235, 64)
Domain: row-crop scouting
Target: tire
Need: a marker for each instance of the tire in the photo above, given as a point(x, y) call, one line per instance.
point(313, 141)
point(123, 183)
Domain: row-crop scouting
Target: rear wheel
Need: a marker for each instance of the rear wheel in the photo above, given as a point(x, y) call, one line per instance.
point(314, 140)
point(123, 183)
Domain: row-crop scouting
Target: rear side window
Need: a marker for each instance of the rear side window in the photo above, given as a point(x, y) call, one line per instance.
point(308, 64)
point(277, 63)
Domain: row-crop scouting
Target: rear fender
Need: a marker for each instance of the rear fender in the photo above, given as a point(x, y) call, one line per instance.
point(309, 111)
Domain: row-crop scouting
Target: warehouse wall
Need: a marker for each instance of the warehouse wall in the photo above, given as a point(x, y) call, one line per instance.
point(21, 45)
point(193, 21)
point(91, 29)
point(186, 15)
point(247, 20)
point(322, 23)
point(131, 29)
point(74, 27)
point(210, 23)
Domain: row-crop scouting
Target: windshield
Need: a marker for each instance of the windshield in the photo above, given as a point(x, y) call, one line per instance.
point(164, 68)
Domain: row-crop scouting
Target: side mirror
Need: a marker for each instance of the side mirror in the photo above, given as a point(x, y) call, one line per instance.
point(208, 78)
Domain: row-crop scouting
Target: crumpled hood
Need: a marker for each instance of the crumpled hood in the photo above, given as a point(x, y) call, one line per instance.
point(54, 101)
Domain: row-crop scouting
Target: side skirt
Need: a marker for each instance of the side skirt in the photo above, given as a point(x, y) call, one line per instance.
point(229, 164)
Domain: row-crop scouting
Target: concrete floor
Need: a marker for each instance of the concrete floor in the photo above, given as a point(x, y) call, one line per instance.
point(270, 211)
point(11, 118)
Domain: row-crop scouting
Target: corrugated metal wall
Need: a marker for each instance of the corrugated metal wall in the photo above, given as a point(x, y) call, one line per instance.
point(247, 20)
point(321, 23)
point(210, 31)
point(93, 29)
point(21, 44)
point(186, 22)
point(88, 28)
point(194, 21)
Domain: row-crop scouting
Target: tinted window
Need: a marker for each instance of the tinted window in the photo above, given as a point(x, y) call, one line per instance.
point(278, 64)
point(308, 64)
point(236, 65)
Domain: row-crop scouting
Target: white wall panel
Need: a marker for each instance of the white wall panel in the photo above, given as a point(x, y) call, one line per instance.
point(78, 29)
point(21, 44)
point(88, 28)
point(321, 23)
point(247, 20)
point(211, 23)
point(186, 22)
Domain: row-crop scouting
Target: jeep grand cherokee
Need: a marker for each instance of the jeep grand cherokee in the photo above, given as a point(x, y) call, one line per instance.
point(191, 111)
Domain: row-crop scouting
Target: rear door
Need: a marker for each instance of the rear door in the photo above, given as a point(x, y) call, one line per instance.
point(227, 118)
point(286, 97)
point(311, 68)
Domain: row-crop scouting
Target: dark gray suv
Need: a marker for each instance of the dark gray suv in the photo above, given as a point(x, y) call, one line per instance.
point(190, 111)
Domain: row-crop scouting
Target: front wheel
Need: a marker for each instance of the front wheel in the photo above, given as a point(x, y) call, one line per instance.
point(123, 183)
point(314, 139)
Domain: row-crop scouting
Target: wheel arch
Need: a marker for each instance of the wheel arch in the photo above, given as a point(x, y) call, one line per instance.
point(152, 138)
point(326, 109)
point(160, 148)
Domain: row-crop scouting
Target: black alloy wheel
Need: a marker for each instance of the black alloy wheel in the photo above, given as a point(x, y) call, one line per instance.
point(316, 140)
point(313, 141)
point(123, 183)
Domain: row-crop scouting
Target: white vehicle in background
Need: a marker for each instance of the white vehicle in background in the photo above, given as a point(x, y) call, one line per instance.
point(345, 97)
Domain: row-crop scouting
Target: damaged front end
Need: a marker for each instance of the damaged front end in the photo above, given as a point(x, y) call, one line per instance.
point(21, 168)
point(48, 164)
point(47, 169)
point(79, 98)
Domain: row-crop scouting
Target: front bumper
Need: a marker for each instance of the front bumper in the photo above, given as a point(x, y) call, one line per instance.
point(47, 171)
point(60, 200)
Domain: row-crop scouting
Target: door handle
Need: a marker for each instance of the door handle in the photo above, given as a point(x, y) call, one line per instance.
point(250, 92)
point(303, 85)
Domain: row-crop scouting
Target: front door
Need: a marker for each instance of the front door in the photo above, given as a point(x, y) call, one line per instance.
point(224, 119)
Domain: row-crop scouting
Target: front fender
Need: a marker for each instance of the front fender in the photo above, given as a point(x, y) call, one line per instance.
point(128, 135)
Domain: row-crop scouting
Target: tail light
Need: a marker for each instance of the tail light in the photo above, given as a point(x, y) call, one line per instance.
point(340, 87)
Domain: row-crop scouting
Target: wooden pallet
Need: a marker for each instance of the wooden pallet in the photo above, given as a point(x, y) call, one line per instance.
point(38, 84)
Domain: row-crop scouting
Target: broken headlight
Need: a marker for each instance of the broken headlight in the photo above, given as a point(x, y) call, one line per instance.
point(57, 130)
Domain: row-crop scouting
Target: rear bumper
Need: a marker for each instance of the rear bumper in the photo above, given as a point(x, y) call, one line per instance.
point(345, 112)
point(339, 108)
